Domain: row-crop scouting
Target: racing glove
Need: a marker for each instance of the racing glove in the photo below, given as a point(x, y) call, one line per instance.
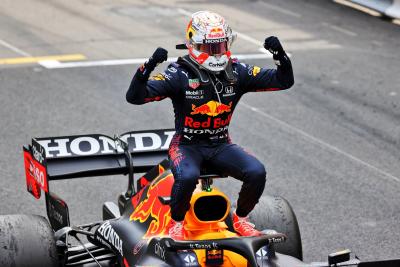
point(273, 45)
point(158, 57)
point(284, 72)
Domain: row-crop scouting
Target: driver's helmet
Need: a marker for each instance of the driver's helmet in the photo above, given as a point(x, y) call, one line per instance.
point(208, 38)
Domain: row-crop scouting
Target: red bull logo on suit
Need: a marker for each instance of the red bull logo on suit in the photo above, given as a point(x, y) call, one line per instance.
point(208, 123)
point(211, 108)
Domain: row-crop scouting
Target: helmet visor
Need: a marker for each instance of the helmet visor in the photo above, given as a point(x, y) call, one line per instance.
point(213, 49)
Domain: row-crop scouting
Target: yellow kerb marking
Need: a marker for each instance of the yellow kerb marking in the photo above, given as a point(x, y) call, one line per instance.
point(27, 60)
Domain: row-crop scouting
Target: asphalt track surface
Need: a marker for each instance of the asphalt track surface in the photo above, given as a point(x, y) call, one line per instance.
point(330, 144)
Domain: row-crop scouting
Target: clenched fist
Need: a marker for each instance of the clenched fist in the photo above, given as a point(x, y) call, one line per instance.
point(159, 56)
point(273, 45)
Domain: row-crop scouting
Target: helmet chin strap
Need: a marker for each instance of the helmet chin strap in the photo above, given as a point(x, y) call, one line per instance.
point(229, 72)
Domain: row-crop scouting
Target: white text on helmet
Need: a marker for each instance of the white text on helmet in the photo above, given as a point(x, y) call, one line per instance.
point(216, 35)
point(213, 41)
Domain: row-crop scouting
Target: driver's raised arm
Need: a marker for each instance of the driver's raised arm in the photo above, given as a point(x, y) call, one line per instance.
point(256, 79)
point(144, 89)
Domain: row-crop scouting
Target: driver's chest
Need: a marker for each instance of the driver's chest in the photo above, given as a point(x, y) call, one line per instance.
point(218, 91)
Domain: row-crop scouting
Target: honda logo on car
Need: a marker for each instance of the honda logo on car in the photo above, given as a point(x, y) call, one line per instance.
point(101, 144)
point(108, 234)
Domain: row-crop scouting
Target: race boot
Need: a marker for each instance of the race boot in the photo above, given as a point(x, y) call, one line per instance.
point(243, 227)
point(175, 230)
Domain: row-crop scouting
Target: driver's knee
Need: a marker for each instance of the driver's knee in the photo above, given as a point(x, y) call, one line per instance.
point(181, 194)
point(188, 177)
point(255, 174)
point(184, 184)
point(187, 185)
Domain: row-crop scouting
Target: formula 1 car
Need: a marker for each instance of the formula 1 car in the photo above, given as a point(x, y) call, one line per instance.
point(132, 232)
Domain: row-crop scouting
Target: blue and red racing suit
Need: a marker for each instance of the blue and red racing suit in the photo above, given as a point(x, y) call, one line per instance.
point(203, 104)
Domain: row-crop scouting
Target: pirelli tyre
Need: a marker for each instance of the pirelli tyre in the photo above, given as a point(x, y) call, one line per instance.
point(26, 240)
point(275, 213)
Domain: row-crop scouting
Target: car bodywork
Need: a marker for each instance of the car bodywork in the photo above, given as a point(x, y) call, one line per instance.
point(134, 232)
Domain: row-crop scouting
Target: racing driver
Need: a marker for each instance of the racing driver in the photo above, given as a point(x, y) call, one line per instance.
point(205, 86)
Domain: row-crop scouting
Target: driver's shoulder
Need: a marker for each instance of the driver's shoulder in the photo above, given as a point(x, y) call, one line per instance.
point(236, 64)
point(179, 71)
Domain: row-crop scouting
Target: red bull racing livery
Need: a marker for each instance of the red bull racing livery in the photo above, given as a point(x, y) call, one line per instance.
point(132, 233)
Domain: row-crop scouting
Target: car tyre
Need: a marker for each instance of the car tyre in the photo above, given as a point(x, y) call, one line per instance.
point(26, 240)
point(275, 213)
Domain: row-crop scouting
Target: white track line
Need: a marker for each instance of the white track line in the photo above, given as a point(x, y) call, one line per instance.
point(184, 12)
point(15, 49)
point(250, 39)
point(54, 64)
point(339, 29)
point(282, 10)
point(320, 142)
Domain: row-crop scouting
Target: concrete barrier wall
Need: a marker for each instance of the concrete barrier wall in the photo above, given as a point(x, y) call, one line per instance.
point(389, 8)
point(394, 10)
point(378, 5)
